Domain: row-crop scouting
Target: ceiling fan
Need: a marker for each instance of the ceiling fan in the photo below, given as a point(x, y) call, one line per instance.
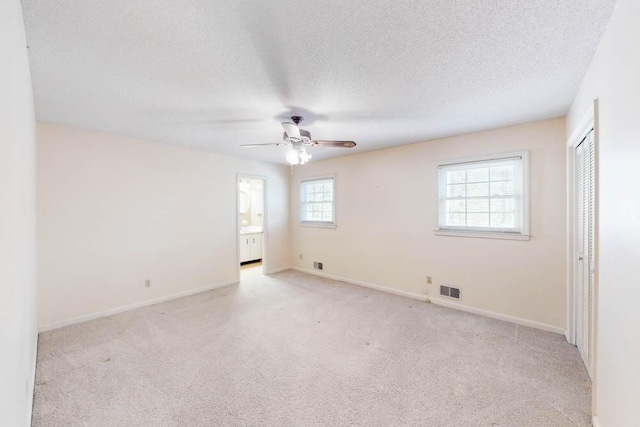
point(297, 140)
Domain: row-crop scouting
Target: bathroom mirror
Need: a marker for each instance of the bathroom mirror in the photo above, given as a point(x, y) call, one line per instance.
point(244, 202)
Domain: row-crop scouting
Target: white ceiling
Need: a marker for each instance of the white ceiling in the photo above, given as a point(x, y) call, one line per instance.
point(217, 74)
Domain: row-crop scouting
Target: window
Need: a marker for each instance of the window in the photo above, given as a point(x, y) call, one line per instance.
point(317, 201)
point(484, 197)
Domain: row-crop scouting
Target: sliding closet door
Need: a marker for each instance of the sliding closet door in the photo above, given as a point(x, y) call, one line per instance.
point(585, 247)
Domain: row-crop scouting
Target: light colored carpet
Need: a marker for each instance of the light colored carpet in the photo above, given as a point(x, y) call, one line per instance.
point(294, 349)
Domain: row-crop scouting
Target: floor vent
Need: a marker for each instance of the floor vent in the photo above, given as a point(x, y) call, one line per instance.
point(450, 292)
point(317, 265)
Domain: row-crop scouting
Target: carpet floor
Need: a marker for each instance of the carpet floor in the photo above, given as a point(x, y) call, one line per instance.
point(298, 350)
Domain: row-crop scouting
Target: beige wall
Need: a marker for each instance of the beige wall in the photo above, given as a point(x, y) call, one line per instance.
point(17, 222)
point(168, 214)
point(386, 213)
point(614, 78)
point(114, 211)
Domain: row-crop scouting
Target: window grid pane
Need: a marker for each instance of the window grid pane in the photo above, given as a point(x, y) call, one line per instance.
point(316, 201)
point(480, 197)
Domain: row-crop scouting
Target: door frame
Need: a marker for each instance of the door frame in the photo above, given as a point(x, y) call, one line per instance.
point(589, 121)
point(265, 257)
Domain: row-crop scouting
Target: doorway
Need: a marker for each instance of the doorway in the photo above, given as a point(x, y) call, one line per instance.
point(251, 226)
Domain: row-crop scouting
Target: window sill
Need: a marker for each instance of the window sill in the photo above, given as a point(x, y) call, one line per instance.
point(317, 224)
point(482, 235)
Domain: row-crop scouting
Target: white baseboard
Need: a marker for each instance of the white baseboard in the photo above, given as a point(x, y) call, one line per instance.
point(364, 284)
point(524, 322)
point(594, 421)
point(439, 301)
point(128, 307)
point(278, 270)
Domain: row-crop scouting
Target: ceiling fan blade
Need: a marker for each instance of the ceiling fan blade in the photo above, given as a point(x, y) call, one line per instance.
point(260, 145)
point(291, 130)
point(338, 144)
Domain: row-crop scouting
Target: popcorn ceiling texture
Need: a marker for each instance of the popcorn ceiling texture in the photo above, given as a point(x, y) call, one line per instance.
point(216, 74)
point(294, 349)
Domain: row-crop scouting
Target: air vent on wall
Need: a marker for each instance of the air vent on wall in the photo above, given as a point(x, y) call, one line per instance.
point(450, 292)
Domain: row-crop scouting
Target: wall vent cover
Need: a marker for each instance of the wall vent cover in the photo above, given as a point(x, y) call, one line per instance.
point(450, 292)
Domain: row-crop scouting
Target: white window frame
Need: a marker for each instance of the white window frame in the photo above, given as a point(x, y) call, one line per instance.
point(320, 224)
point(484, 232)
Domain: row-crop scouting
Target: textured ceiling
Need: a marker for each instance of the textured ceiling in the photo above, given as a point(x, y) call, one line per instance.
point(217, 74)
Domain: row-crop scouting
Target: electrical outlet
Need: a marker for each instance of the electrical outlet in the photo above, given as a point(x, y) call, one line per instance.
point(429, 280)
point(147, 283)
point(317, 265)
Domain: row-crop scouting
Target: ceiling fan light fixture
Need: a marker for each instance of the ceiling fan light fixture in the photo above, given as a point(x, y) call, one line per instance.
point(304, 156)
point(297, 156)
point(292, 156)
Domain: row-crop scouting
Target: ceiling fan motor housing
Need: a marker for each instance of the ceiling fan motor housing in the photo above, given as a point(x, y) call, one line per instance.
point(305, 136)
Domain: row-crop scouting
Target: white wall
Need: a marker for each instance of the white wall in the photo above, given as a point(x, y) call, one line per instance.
point(614, 79)
point(386, 213)
point(17, 222)
point(114, 211)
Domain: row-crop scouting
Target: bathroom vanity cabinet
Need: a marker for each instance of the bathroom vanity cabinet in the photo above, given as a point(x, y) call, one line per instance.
point(250, 247)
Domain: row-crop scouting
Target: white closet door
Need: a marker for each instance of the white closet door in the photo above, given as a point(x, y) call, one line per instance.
point(585, 247)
